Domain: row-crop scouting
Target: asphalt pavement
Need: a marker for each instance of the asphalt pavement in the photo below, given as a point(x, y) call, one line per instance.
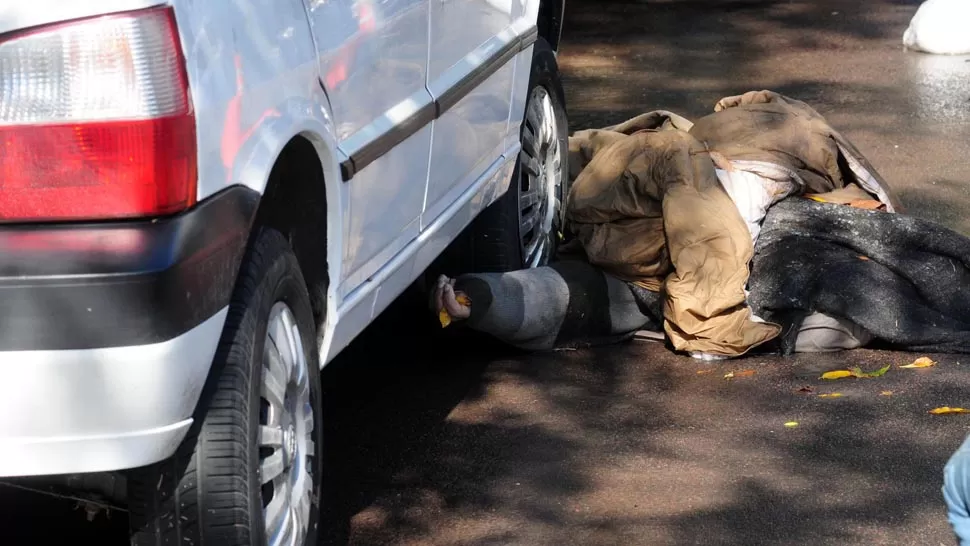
point(449, 439)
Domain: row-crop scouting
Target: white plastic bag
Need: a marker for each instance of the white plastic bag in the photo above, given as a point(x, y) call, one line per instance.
point(941, 27)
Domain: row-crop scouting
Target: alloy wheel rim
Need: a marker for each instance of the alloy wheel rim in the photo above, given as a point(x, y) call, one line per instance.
point(286, 445)
point(540, 186)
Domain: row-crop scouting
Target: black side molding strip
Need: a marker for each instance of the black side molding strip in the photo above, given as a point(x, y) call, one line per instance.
point(374, 149)
point(473, 79)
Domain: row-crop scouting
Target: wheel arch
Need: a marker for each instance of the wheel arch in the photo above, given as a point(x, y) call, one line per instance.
point(296, 202)
point(551, 13)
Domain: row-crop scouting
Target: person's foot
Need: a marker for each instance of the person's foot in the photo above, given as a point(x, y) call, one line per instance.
point(446, 300)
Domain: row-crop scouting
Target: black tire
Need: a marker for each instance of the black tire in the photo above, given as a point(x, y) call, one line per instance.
point(209, 491)
point(496, 238)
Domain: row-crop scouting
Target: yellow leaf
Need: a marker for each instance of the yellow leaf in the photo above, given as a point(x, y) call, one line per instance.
point(444, 318)
point(948, 409)
point(830, 395)
point(868, 204)
point(729, 375)
point(854, 372)
point(791, 424)
point(886, 393)
point(702, 372)
point(817, 198)
point(921, 362)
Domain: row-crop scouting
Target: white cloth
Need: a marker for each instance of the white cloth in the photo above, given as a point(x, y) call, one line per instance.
point(941, 27)
point(754, 186)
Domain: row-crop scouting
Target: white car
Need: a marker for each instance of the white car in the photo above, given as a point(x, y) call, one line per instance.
point(203, 202)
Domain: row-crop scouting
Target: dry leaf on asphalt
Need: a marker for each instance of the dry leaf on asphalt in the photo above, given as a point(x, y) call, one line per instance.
point(921, 362)
point(948, 409)
point(854, 372)
point(830, 395)
point(702, 372)
point(886, 393)
point(806, 388)
point(791, 424)
point(741, 373)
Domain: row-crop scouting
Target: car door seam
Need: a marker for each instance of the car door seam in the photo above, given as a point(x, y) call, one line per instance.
point(386, 141)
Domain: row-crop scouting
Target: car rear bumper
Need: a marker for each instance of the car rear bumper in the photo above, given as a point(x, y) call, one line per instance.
point(107, 333)
point(93, 410)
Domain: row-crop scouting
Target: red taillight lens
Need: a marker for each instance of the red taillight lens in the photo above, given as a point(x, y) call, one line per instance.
point(95, 121)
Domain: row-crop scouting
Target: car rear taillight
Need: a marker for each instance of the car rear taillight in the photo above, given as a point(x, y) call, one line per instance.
point(95, 120)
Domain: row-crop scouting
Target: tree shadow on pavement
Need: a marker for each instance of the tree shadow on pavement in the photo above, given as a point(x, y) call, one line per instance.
point(449, 434)
point(457, 441)
point(633, 444)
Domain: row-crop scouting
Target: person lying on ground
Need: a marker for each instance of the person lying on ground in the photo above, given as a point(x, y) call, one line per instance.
point(834, 277)
point(666, 228)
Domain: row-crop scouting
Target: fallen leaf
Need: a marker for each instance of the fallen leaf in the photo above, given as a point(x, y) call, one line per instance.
point(855, 372)
point(867, 204)
point(444, 318)
point(830, 395)
point(806, 388)
point(791, 424)
point(864, 258)
point(886, 393)
point(948, 409)
point(729, 375)
point(744, 373)
point(702, 372)
point(817, 198)
point(921, 362)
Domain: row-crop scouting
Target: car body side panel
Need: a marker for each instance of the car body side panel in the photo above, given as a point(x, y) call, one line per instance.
point(373, 58)
point(466, 37)
point(255, 85)
point(363, 304)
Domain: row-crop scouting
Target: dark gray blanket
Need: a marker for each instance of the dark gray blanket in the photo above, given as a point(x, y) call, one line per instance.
point(904, 279)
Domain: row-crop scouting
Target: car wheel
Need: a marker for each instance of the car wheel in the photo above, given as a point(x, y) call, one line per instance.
point(523, 228)
point(249, 471)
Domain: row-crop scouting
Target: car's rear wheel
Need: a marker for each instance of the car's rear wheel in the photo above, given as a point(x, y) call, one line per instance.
point(249, 472)
point(523, 228)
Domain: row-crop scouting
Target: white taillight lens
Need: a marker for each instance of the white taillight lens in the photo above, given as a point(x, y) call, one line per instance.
point(116, 67)
point(95, 120)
